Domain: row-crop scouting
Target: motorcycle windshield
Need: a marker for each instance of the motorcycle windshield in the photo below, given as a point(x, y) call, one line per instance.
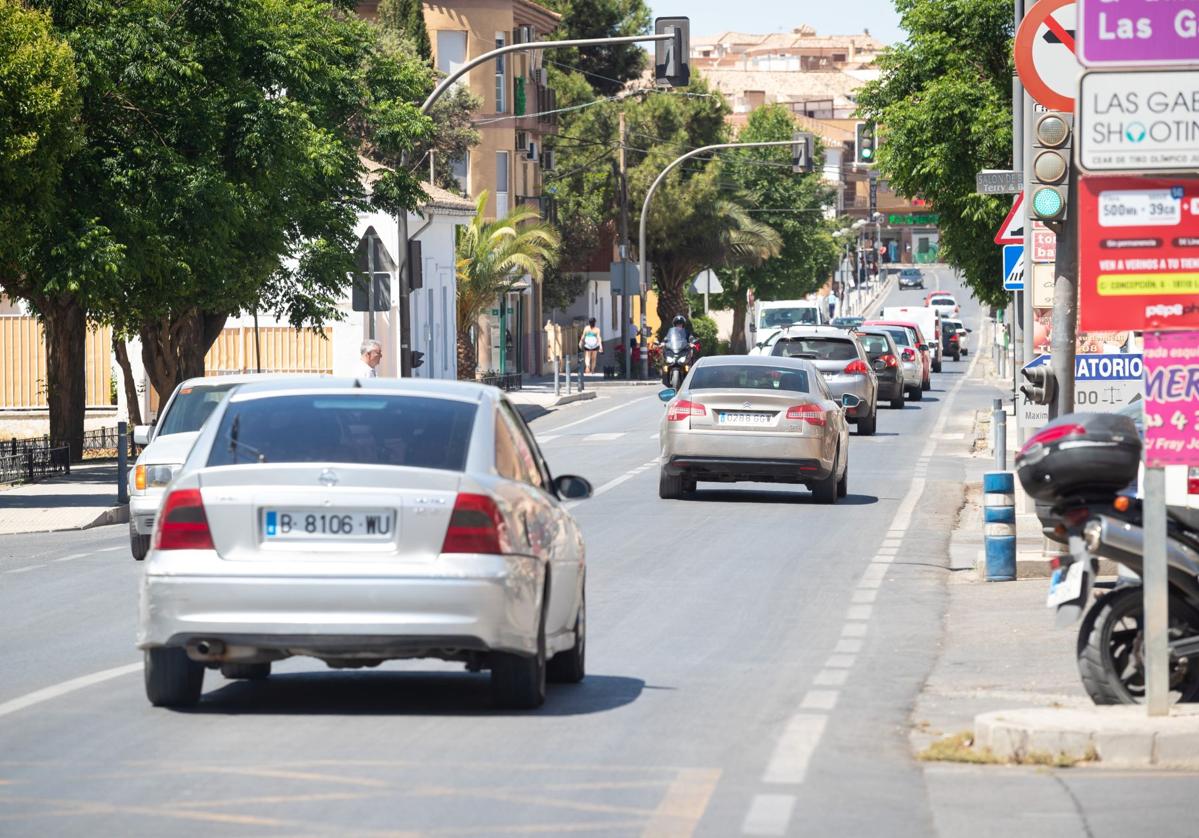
point(675, 341)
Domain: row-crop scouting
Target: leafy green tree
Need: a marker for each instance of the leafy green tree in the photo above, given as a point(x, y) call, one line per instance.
point(944, 104)
point(608, 67)
point(790, 203)
point(406, 17)
point(491, 256)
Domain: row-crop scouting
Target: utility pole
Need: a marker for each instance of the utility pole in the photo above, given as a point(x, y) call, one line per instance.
point(622, 184)
point(1065, 299)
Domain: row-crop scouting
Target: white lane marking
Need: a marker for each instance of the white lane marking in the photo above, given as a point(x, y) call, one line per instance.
point(612, 484)
point(888, 551)
point(891, 543)
point(819, 700)
point(853, 630)
point(859, 612)
point(789, 763)
point(548, 438)
point(830, 677)
point(609, 437)
point(111, 549)
point(59, 690)
point(654, 435)
point(588, 418)
point(840, 661)
point(870, 583)
point(865, 597)
point(948, 437)
point(768, 814)
point(25, 569)
point(70, 558)
point(848, 646)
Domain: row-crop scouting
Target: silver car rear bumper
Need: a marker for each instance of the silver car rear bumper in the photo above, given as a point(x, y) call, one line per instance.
point(745, 455)
point(473, 602)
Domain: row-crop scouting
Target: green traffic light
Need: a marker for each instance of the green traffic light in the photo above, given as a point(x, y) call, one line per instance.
point(1047, 203)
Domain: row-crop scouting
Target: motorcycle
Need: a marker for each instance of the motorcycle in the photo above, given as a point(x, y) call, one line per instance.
point(677, 357)
point(1079, 469)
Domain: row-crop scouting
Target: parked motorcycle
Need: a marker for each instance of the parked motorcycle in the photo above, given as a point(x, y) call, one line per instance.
point(678, 354)
point(1079, 469)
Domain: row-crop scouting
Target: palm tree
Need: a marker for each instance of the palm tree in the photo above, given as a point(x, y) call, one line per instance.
point(491, 256)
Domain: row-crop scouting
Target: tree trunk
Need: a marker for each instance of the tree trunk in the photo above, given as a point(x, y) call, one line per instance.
point(737, 337)
point(672, 297)
point(173, 350)
point(132, 401)
point(466, 357)
point(66, 355)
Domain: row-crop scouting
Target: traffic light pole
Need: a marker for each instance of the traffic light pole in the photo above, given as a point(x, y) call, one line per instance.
point(404, 283)
point(1065, 299)
point(642, 250)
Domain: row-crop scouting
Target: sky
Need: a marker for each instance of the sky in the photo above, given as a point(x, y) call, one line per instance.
point(838, 17)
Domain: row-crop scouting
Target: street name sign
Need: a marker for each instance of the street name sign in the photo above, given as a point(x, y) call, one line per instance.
point(1044, 52)
point(1138, 253)
point(1013, 267)
point(1138, 121)
point(1171, 399)
point(1131, 33)
point(999, 182)
point(1012, 229)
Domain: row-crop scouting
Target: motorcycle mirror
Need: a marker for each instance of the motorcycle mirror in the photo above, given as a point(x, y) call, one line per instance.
point(667, 394)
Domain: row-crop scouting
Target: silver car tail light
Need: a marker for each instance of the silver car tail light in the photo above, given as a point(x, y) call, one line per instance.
point(476, 526)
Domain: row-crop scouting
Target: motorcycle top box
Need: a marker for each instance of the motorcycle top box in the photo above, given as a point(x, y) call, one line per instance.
point(1080, 454)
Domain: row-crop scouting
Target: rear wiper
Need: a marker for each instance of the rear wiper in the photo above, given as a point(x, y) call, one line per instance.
point(234, 445)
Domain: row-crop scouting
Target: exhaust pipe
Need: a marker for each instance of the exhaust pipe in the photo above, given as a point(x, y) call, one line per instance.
point(208, 648)
point(1130, 539)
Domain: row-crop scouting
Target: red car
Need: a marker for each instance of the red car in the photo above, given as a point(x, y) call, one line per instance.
point(914, 354)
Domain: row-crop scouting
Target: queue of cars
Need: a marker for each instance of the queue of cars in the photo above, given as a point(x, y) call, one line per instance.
point(781, 414)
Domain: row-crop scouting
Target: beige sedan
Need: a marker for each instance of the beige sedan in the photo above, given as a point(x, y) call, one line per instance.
point(755, 418)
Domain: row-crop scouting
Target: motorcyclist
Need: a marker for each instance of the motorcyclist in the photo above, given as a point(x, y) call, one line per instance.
point(681, 322)
point(677, 337)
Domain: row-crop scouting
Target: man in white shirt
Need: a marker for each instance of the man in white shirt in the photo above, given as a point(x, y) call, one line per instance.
point(372, 354)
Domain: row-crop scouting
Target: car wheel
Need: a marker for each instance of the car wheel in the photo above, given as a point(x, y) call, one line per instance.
point(569, 667)
point(669, 487)
point(518, 681)
point(825, 491)
point(916, 394)
point(897, 402)
point(139, 545)
point(926, 385)
point(172, 678)
point(689, 486)
point(843, 483)
point(957, 355)
point(246, 671)
point(867, 425)
point(937, 365)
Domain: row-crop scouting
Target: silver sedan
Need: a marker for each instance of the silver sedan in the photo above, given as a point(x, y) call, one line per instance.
point(843, 362)
point(755, 418)
point(361, 521)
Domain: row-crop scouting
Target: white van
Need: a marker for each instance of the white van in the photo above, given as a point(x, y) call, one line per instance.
point(770, 318)
point(929, 322)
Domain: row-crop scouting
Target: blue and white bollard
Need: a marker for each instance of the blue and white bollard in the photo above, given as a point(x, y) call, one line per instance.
point(999, 525)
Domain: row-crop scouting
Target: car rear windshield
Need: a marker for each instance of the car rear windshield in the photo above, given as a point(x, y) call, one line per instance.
point(749, 377)
point(944, 301)
point(819, 349)
point(368, 429)
point(193, 405)
point(787, 316)
point(875, 344)
point(901, 337)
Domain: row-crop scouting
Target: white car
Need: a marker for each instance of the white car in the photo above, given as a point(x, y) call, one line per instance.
point(358, 521)
point(167, 443)
point(945, 304)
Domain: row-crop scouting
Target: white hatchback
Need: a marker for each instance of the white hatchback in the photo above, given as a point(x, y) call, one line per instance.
point(363, 521)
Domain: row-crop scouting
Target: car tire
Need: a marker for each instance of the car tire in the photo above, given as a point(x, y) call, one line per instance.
point(867, 425)
point(937, 365)
point(172, 678)
point(246, 671)
point(569, 667)
point(518, 681)
point(139, 545)
point(669, 487)
point(843, 483)
point(916, 394)
point(825, 491)
point(897, 402)
point(926, 385)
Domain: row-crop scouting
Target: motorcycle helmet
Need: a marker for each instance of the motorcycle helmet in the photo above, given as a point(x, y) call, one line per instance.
point(680, 321)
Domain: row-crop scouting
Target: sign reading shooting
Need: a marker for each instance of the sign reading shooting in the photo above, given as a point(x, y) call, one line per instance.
point(1139, 121)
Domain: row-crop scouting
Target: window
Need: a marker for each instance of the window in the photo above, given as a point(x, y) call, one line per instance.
point(806, 315)
point(749, 377)
point(191, 407)
point(460, 169)
point(514, 459)
point(366, 429)
point(451, 50)
point(501, 75)
point(821, 349)
point(501, 184)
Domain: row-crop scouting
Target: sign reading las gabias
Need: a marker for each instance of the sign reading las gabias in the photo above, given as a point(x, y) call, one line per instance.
point(1138, 32)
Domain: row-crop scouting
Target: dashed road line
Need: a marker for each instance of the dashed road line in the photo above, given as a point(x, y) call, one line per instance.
point(57, 690)
point(789, 762)
point(819, 700)
point(769, 814)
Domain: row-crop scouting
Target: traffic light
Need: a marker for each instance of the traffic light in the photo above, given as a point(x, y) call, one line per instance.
point(1042, 385)
point(867, 144)
point(801, 152)
point(416, 358)
point(672, 66)
point(1051, 166)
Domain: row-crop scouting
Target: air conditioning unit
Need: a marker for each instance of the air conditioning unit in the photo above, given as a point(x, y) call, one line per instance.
point(522, 140)
point(531, 153)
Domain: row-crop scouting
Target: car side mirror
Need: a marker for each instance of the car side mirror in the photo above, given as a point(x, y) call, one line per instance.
point(667, 394)
point(572, 487)
point(850, 400)
point(923, 347)
point(141, 434)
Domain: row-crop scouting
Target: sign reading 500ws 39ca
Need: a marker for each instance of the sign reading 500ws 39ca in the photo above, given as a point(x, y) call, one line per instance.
point(1138, 121)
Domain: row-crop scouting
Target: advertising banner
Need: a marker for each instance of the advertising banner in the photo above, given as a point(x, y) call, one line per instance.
point(1138, 32)
point(1171, 399)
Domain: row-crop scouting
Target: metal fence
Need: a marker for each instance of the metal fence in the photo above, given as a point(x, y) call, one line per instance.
point(97, 444)
point(507, 381)
point(34, 463)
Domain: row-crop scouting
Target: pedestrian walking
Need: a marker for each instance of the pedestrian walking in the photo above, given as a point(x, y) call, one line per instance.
point(832, 304)
point(372, 353)
point(590, 342)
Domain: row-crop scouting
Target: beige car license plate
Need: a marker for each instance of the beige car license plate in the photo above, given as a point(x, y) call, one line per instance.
point(730, 418)
point(320, 524)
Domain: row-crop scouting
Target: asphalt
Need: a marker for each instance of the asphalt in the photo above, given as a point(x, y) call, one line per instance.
point(754, 660)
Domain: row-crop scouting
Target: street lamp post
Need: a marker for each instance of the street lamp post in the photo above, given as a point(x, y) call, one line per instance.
point(649, 195)
point(442, 87)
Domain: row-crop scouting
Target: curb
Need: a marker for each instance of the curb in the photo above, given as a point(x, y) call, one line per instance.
point(586, 395)
point(1120, 736)
point(106, 517)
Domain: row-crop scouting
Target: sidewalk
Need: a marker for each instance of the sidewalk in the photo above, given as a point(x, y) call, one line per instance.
point(86, 498)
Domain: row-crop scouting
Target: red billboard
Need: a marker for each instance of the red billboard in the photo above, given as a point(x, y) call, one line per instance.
point(1138, 253)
